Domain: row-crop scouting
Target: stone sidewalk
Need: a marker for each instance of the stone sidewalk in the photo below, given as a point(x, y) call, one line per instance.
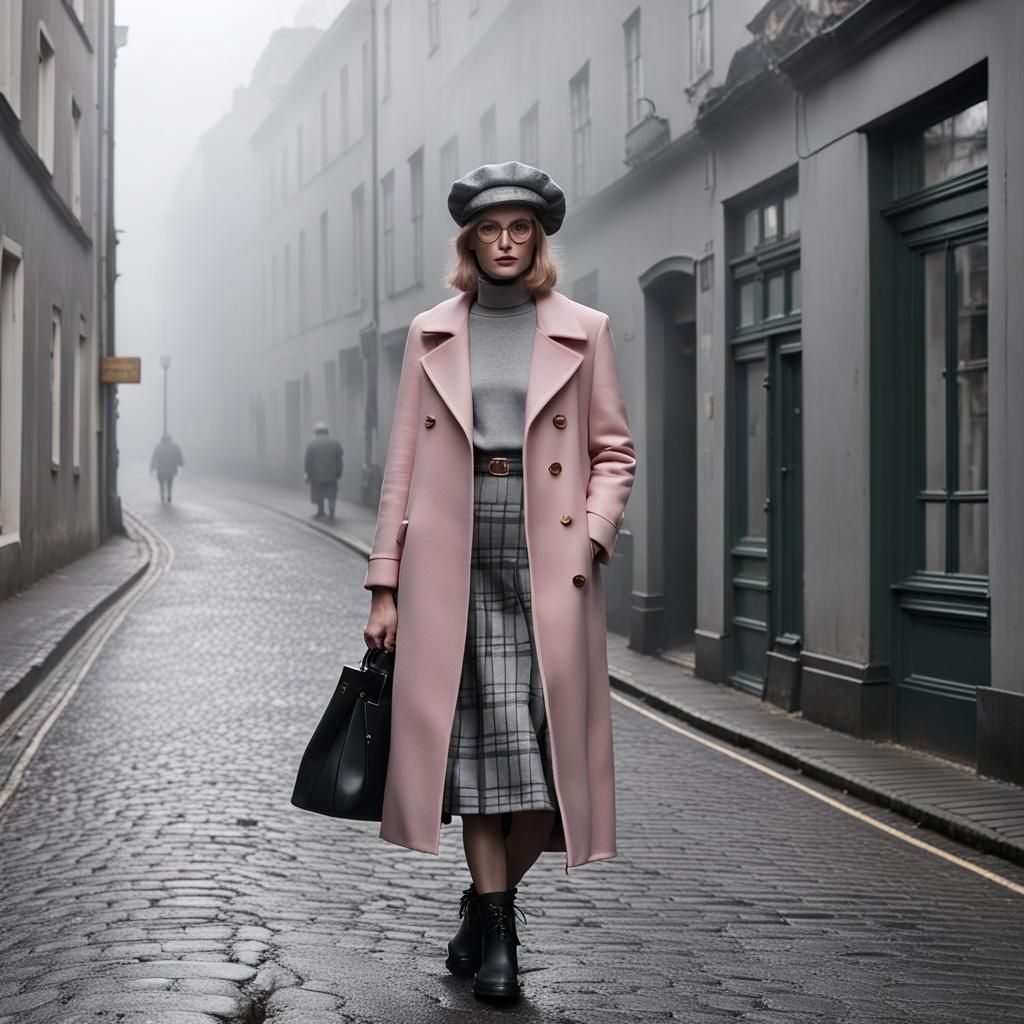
point(942, 795)
point(38, 625)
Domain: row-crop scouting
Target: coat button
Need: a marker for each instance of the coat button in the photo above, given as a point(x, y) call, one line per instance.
point(565, 519)
point(555, 468)
point(579, 579)
point(559, 421)
point(429, 422)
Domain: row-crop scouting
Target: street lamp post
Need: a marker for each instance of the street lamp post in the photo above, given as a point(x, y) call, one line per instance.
point(165, 362)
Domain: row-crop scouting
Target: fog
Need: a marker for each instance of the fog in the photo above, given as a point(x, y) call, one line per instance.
point(175, 79)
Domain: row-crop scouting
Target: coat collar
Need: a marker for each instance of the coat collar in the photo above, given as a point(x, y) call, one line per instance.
point(556, 317)
point(552, 362)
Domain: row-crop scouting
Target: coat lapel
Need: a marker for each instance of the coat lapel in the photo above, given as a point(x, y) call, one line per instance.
point(447, 364)
point(552, 362)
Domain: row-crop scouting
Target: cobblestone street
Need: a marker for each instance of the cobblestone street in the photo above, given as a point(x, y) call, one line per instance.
point(153, 870)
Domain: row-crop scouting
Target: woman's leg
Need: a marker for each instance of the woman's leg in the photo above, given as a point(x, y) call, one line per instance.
point(484, 843)
point(526, 842)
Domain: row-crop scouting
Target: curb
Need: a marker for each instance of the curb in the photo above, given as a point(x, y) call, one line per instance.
point(934, 818)
point(345, 539)
point(23, 688)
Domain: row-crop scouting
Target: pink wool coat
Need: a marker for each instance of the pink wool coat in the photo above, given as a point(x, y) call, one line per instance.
point(578, 466)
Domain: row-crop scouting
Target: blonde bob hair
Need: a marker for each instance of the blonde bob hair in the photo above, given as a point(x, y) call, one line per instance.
point(464, 272)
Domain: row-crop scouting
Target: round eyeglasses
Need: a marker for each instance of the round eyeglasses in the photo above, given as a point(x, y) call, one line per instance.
point(519, 231)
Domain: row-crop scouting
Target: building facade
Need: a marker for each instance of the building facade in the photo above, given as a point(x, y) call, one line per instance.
point(58, 488)
point(795, 214)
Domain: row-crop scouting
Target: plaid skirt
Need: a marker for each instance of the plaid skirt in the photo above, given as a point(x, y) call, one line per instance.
point(499, 756)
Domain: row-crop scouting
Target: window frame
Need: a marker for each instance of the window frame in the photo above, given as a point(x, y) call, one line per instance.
point(631, 29)
point(701, 26)
point(580, 122)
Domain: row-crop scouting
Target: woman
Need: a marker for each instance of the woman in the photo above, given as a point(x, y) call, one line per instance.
point(508, 470)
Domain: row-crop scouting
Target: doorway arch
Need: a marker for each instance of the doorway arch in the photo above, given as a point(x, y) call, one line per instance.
point(665, 614)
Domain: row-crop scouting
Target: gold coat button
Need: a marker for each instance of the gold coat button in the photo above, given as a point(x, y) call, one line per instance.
point(559, 421)
point(429, 422)
point(565, 519)
point(579, 579)
point(555, 468)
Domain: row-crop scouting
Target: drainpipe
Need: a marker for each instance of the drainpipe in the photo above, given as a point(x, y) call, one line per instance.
point(370, 334)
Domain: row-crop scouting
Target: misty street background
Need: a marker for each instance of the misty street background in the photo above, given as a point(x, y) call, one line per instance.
point(804, 220)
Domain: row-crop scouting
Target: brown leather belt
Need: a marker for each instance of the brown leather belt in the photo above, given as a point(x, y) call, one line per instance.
point(498, 465)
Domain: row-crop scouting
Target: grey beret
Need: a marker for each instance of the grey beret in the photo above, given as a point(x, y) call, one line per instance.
point(507, 184)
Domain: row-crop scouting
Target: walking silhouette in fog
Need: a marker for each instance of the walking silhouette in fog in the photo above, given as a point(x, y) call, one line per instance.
point(501, 704)
point(167, 460)
point(324, 465)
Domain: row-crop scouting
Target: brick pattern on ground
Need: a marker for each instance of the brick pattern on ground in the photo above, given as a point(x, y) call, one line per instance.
point(154, 869)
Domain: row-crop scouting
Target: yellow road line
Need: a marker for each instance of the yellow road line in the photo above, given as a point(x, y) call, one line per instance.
point(837, 804)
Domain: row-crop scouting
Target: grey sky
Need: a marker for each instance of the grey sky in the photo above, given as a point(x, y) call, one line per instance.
point(175, 79)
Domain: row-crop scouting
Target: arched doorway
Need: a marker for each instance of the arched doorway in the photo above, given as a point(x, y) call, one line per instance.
point(668, 608)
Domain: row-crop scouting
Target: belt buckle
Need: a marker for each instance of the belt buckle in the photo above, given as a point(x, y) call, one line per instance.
point(498, 466)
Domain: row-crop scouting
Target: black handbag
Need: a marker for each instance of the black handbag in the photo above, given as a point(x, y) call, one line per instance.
point(343, 770)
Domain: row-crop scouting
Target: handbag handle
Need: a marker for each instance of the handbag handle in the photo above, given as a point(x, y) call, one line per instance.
point(374, 655)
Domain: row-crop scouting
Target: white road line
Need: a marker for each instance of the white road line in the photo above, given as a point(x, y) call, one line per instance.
point(837, 804)
point(154, 541)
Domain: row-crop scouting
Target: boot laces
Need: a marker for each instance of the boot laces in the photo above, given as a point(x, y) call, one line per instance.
point(468, 902)
point(504, 920)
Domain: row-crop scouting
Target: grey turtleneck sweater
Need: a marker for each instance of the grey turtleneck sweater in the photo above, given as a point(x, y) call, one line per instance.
point(502, 322)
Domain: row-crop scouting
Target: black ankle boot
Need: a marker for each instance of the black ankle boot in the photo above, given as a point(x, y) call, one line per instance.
point(499, 967)
point(464, 949)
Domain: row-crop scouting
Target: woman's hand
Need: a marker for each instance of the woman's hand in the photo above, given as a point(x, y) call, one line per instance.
point(382, 625)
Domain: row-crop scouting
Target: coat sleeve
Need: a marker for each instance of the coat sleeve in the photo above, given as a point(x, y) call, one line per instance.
point(612, 456)
point(385, 552)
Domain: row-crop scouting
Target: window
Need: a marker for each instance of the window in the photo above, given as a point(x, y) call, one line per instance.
point(323, 131)
point(416, 197)
point(449, 164)
point(299, 176)
point(289, 305)
point(325, 267)
point(579, 94)
point(385, 76)
point(634, 68)
point(387, 225)
point(700, 39)
point(945, 340)
point(275, 288)
point(10, 52)
point(76, 159)
point(303, 282)
point(343, 102)
point(433, 25)
point(55, 367)
point(956, 144)
point(46, 126)
point(81, 358)
point(284, 175)
point(529, 136)
point(358, 236)
point(12, 344)
point(367, 88)
point(489, 136)
point(770, 222)
point(955, 407)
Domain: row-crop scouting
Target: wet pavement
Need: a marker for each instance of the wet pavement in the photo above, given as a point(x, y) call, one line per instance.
point(153, 869)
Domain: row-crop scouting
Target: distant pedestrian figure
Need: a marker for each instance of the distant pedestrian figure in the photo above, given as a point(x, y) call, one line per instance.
point(324, 464)
point(167, 460)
